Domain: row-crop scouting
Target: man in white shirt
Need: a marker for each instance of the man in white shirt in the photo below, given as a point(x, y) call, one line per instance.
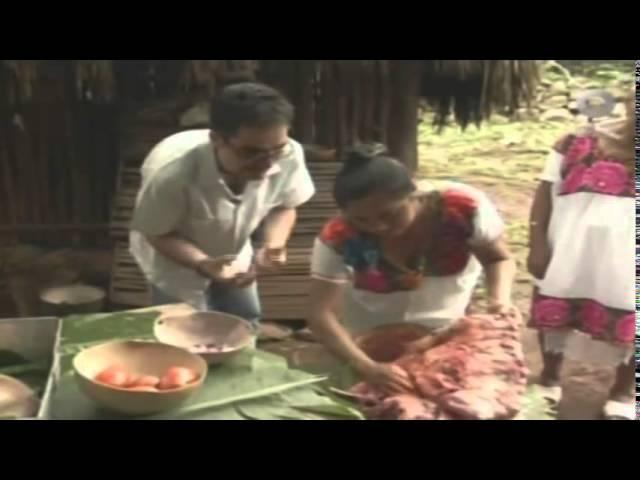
point(204, 193)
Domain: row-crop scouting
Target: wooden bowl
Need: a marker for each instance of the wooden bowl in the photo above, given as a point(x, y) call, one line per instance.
point(72, 299)
point(17, 400)
point(142, 358)
point(215, 336)
point(386, 343)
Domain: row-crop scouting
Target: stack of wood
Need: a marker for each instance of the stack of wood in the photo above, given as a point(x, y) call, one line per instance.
point(128, 285)
point(284, 296)
point(141, 131)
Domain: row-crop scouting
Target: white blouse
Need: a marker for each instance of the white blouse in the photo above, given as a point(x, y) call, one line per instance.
point(437, 303)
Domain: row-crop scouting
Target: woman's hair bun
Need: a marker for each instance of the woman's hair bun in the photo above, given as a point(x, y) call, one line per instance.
point(360, 155)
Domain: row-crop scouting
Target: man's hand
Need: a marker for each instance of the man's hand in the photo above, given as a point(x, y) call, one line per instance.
point(221, 270)
point(242, 280)
point(270, 259)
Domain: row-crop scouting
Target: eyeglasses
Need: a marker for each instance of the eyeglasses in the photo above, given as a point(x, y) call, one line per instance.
point(252, 154)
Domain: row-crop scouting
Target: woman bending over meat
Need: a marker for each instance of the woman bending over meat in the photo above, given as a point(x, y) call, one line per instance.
point(582, 243)
point(402, 251)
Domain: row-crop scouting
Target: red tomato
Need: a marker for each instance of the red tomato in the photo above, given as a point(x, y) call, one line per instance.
point(133, 379)
point(177, 377)
point(143, 388)
point(114, 376)
point(145, 381)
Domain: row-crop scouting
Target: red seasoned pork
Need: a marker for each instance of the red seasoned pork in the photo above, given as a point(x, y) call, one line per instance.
point(476, 371)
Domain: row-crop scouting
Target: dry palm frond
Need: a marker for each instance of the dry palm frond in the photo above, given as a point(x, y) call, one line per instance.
point(21, 76)
point(207, 75)
point(473, 89)
point(201, 75)
point(95, 80)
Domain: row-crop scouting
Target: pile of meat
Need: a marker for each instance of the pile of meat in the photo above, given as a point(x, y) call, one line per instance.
point(474, 372)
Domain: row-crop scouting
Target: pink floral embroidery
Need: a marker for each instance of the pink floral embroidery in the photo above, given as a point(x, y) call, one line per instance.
point(551, 313)
point(595, 318)
point(575, 179)
point(580, 148)
point(374, 281)
point(626, 329)
point(606, 177)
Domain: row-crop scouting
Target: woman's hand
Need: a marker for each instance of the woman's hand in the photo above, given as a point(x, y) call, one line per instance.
point(421, 345)
point(502, 308)
point(539, 259)
point(391, 379)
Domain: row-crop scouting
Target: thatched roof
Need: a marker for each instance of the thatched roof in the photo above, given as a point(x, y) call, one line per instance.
point(468, 89)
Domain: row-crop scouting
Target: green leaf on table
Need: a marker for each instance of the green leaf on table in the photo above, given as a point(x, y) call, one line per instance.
point(534, 406)
point(333, 411)
point(267, 408)
point(27, 368)
point(11, 359)
point(254, 384)
point(234, 390)
point(80, 331)
point(343, 378)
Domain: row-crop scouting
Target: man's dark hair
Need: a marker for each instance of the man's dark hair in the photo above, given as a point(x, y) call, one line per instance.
point(368, 169)
point(249, 105)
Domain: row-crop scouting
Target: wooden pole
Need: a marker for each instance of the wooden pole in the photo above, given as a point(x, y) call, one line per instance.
point(402, 130)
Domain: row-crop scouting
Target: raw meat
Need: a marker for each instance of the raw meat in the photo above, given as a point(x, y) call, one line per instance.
point(475, 371)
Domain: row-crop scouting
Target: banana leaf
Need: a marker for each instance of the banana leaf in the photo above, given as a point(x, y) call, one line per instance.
point(343, 378)
point(255, 385)
point(80, 332)
point(33, 373)
point(271, 408)
point(69, 403)
point(11, 359)
point(298, 404)
point(86, 330)
point(534, 406)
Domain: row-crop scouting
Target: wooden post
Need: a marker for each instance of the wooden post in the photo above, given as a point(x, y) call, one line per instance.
point(402, 129)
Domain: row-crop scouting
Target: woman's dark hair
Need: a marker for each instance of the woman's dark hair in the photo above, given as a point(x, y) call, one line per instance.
point(228, 79)
point(368, 169)
point(249, 105)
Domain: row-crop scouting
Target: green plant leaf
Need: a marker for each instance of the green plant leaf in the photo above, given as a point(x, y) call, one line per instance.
point(80, 331)
point(535, 407)
point(335, 410)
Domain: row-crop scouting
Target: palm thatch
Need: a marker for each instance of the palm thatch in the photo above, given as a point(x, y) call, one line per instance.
point(57, 142)
point(473, 89)
point(58, 118)
point(341, 102)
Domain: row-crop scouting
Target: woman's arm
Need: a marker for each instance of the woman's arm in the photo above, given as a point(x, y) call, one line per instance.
point(500, 269)
point(539, 249)
point(324, 298)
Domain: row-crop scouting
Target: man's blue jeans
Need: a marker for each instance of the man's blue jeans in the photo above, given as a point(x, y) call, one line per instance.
point(241, 302)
